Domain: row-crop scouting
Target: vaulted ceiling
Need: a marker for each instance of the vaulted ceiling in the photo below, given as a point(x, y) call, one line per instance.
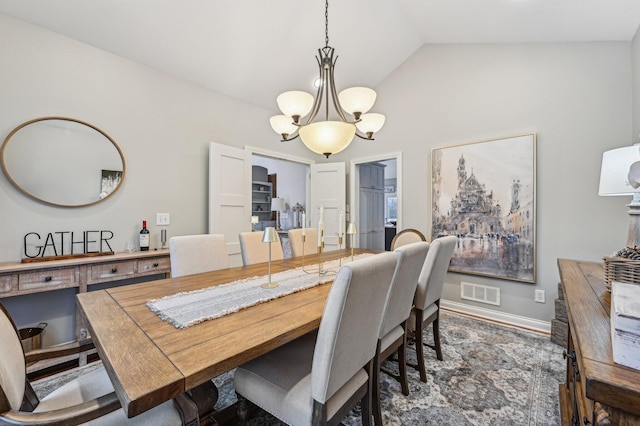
point(255, 49)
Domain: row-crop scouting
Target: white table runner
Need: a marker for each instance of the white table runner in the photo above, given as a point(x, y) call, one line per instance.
point(186, 309)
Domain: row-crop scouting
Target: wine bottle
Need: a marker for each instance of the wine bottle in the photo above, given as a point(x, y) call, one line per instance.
point(144, 237)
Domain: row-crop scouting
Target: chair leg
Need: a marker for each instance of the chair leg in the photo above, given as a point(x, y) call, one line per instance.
point(436, 335)
point(402, 364)
point(377, 397)
point(419, 346)
point(366, 403)
point(242, 410)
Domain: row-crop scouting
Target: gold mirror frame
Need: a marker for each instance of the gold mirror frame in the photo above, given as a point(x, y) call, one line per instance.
point(11, 179)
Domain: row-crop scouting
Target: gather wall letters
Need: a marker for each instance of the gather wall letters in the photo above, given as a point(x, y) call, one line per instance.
point(66, 242)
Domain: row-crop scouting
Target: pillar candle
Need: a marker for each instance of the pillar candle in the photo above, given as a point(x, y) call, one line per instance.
point(304, 224)
point(320, 228)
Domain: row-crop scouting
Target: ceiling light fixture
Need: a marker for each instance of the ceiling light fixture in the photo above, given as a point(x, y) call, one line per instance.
point(329, 136)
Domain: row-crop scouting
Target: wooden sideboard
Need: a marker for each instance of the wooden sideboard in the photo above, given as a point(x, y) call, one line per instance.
point(37, 277)
point(597, 391)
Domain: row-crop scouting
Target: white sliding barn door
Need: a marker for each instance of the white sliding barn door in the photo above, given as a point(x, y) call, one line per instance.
point(229, 195)
point(328, 189)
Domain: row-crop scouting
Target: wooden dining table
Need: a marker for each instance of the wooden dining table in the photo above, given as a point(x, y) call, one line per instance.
point(150, 361)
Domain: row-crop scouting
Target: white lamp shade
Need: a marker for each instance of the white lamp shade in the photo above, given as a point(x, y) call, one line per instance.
point(357, 99)
point(620, 171)
point(370, 123)
point(277, 204)
point(327, 137)
point(270, 235)
point(282, 125)
point(255, 219)
point(352, 229)
point(295, 103)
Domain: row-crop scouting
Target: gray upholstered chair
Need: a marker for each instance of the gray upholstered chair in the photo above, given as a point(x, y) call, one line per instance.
point(407, 236)
point(317, 379)
point(393, 333)
point(89, 399)
point(255, 251)
point(193, 254)
point(426, 303)
point(311, 241)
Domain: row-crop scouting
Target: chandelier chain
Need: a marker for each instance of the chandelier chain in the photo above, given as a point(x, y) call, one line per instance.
point(326, 23)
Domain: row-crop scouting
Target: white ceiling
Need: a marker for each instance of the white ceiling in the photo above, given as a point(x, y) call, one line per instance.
point(255, 49)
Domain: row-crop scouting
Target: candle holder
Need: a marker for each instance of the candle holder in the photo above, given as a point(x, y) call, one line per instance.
point(340, 237)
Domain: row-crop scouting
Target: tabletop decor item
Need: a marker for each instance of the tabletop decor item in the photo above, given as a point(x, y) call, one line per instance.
point(352, 230)
point(270, 236)
point(484, 193)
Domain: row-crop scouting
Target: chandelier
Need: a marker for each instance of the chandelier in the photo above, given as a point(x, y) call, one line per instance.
point(331, 135)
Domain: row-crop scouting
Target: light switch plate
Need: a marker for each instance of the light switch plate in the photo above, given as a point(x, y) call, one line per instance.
point(163, 219)
point(539, 296)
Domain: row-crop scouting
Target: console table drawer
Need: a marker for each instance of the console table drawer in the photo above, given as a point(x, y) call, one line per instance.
point(5, 284)
point(161, 265)
point(110, 271)
point(58, 278)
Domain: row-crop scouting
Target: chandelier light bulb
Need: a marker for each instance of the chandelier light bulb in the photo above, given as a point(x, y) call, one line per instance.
point(295, 104)
point(357, 100)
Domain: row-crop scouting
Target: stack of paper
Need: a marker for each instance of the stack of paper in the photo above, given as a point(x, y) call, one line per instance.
point(625, 324)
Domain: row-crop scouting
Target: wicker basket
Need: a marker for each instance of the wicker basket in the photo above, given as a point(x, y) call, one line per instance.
point(621, 270)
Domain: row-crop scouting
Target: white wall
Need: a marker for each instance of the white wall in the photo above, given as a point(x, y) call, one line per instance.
point(576, 97)
point(162, 124)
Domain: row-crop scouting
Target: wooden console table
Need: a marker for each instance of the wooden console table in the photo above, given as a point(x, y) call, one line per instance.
point(27, 278)
point(597, 391)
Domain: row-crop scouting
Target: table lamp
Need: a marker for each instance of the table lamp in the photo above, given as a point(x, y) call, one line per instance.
point(270, 236)
point(620, 175)
point(254, 222)
point(277, 205)
point(352, 230)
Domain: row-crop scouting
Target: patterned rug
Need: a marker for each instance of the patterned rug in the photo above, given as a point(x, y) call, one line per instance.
point(491, 375)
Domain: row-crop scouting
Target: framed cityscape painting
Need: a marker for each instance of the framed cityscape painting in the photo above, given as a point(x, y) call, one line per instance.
point(484, 193)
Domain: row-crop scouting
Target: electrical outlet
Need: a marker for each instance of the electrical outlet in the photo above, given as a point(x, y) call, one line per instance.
point(539, 296)
point(163, 219)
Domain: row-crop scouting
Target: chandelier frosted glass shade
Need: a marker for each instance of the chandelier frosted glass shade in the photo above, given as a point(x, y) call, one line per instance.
point(370, 123)
point(357, 100)
point(327, 137)
point(295, 104)
point(282, 125)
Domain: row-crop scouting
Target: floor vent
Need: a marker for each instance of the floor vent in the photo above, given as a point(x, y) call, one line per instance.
point(480, 293)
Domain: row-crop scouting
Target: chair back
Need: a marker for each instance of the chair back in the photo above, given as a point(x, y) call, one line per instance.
point(255, 251)
point(193, 254)
point(434, 271)
point(12, 367)
point(310, 244)
point(407, 236)
point(405, 280)
point(350, 324)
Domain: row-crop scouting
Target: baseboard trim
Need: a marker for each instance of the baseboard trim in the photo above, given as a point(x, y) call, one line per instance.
point(501, 317)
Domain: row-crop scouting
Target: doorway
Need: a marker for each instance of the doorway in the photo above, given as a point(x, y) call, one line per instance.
point(375, 199)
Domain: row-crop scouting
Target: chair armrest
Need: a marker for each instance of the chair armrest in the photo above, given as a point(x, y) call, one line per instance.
point(58, 351)
point(76, 414)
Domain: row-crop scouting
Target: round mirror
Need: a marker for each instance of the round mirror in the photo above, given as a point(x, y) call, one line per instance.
point(62, 161)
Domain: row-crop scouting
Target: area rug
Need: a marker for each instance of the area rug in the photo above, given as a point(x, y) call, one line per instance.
point(491, 375)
